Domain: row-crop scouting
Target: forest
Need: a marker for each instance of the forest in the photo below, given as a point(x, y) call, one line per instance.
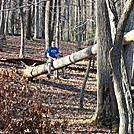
point(96, 43)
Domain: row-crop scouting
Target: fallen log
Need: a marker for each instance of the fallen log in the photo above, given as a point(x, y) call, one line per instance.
point(41, 68)
point(128, 37)
point(33, 71)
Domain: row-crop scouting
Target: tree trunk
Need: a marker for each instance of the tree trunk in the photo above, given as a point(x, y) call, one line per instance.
point(41, 20)
point(2, 20)
point(76, 20)
point(129, 49)
point(28, 22)
point(57, 24)
point(11, 19)
point(7, 18)
point(68, 19)
point(36, 26)
point(92, 14)
point(121, 82)
point(85, 19)
point(105, 89)
point(53, 19)
point(113, 17)
point(79, 34)
point(22, 30)
point(47, 40)
point(84, 84)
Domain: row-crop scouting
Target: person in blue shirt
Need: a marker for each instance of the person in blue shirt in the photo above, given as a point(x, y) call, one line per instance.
point(52, 54)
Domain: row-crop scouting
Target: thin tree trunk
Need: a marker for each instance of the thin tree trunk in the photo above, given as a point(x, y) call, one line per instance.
point(57, 24)
point(85, 19)
point(36, 26)
point(79, 34)
point(11, 19)
point(28, 22)
point(68, 20)
point(47, 40)
point(92, 14)
point(84, 84)
point(22, 29)
point(53, 20)
point(76, 20)
point(2, 20)
point(7, 18)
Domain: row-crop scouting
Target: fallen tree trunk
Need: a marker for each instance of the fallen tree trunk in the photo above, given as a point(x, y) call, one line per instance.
point(33, 71)
point(128, 37)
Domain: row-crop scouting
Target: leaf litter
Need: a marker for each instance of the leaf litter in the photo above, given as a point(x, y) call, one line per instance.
point(45, 106)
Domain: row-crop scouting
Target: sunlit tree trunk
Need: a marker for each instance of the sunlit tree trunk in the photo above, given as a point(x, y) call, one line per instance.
point(47, 39)
point(57, 22)
point(22, 29)
point(53, 20)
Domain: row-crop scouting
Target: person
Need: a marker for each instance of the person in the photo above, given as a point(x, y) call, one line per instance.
point(51, 55)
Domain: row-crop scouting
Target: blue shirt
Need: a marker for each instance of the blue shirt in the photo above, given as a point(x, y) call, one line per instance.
point(52, 51)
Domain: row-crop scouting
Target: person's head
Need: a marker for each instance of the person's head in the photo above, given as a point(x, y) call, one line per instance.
point(53, 44)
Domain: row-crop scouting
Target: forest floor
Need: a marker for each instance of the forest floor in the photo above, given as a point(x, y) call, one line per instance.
point(61, 95)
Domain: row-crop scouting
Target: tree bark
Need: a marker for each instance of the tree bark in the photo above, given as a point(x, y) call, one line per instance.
point(79, 31)
point(28, 22)
point(36, 21)
point(11, 19)
point(47, 39)
point(57, 24)
point(105, 91)
point(7, 18)
point(2, 20)
point(53, 19)
point(84, 84)
point(121, 84)
point(22, 30)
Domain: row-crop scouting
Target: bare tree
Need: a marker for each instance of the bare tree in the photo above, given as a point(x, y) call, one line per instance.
point(36, 26)
point(28, 21)
point(2, 20)
point(57, 22)
point(120, 75)
point(22, 29)
point(106, 102)
point(47, 11)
